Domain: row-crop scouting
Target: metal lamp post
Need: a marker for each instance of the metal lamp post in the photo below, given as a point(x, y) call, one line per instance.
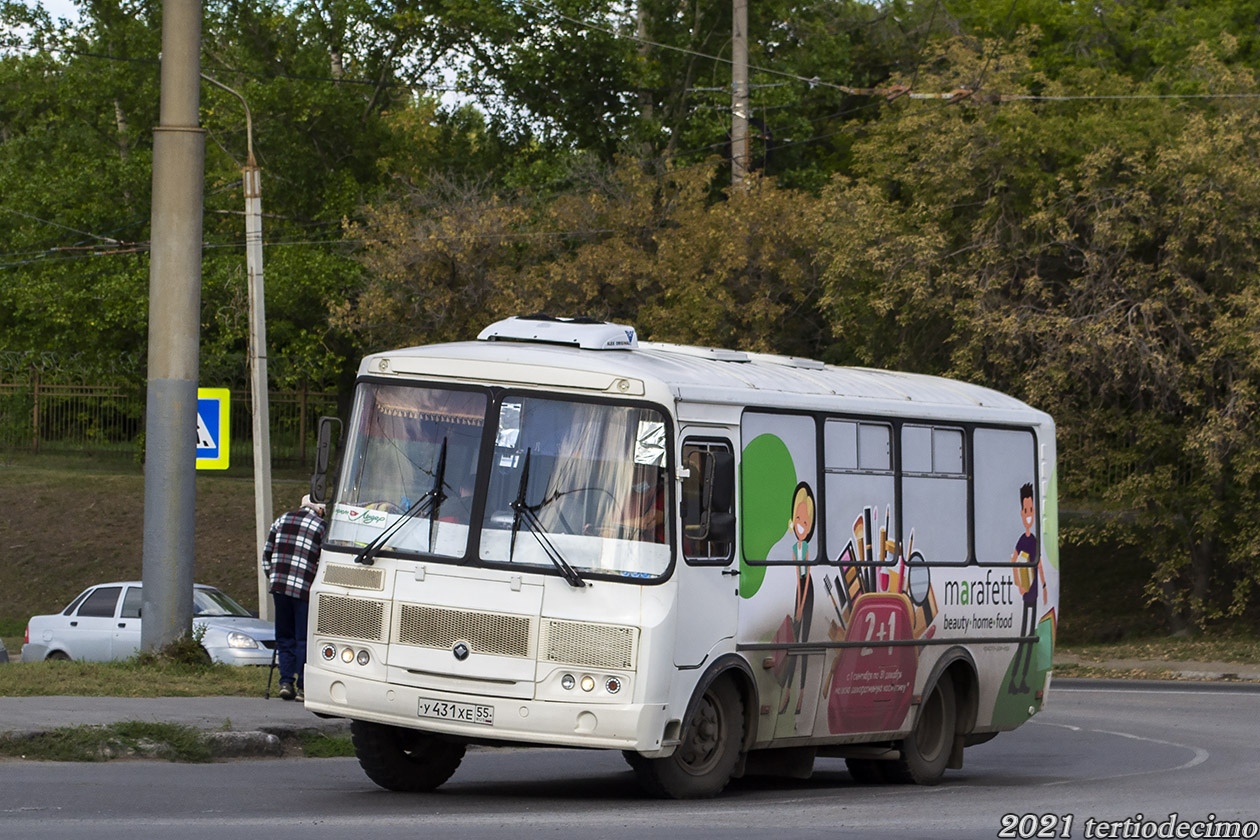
point(251, 179)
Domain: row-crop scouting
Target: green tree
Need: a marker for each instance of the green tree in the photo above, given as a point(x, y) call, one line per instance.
point(1137, 39)
point(74, 175)
point(1098, 259)
point(335, 119)
point(635, 243)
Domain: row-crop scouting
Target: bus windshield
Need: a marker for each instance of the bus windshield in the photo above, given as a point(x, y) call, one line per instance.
point(585, 480)
point(411, 466)
point(578, 487)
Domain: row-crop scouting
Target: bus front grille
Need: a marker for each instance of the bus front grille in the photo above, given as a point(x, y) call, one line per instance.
point(354, 577)
point(591, 645)
point(352, 618)
point(493, 633)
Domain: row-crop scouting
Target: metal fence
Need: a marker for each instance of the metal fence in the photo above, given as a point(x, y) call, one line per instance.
point(47, 418)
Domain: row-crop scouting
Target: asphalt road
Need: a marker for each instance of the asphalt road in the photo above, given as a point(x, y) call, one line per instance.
point(1102, 754)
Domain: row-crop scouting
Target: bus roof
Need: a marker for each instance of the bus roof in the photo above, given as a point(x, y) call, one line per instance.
point(695, 374)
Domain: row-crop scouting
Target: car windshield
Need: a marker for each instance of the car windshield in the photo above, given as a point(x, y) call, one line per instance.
point(208, 602)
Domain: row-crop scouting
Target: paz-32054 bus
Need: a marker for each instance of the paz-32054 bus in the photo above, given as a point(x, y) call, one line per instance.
point(720, 563)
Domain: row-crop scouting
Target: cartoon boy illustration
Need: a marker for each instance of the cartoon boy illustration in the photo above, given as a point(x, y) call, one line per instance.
point(1028, 581)
point(802, 527)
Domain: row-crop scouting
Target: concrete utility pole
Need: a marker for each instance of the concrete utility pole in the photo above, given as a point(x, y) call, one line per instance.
point(252, 182)
point(170, 490)
point(739, 92)
point(258, 372)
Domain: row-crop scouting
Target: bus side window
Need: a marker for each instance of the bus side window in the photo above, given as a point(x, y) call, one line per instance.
point(708, 502)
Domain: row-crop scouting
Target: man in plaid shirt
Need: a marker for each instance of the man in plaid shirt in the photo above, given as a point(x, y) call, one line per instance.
point(291, 559)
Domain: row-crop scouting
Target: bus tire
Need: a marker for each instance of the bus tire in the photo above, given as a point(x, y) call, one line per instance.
point(402, 759)
point(925, 751)
point(702, 764)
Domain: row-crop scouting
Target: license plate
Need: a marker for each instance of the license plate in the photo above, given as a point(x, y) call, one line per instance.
point(457, 712)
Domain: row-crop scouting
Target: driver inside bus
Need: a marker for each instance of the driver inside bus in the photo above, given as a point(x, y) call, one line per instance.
point(642, 514)
point(457, 504)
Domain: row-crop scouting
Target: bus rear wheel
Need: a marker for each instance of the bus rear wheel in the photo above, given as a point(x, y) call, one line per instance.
point(925, 751)
point(703, 763)
point(403, 759)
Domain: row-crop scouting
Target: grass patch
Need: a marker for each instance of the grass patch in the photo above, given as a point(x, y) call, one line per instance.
point(104, 743)
point(319, 745)
point(130, 678)
point(100, 536)
point(1229, 649)
point(144, 740)
point(1156, 658)
point(1081, 670)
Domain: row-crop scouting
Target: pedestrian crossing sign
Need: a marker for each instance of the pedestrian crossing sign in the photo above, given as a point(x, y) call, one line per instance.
point(213, 413)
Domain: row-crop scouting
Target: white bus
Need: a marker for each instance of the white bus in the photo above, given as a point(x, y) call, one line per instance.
point(720, 563)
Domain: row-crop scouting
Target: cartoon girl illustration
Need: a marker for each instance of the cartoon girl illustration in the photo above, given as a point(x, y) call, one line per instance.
point(802, 526)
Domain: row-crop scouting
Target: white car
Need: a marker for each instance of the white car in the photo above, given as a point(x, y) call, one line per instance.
point(103, 623)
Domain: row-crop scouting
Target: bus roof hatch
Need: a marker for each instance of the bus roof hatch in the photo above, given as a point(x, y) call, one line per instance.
point(586, 333)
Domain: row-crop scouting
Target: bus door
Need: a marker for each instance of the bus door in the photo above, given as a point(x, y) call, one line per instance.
point(707, 575)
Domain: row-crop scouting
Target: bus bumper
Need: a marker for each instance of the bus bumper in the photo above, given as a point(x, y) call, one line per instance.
point(593, 725)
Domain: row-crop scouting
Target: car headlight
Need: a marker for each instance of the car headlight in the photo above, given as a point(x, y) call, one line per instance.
point(236, 639)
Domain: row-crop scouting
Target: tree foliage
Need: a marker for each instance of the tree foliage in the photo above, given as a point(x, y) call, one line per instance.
point(1116, 288)
point(1079, 230)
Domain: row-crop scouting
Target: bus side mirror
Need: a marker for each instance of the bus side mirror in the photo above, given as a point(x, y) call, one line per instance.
point(323, 447)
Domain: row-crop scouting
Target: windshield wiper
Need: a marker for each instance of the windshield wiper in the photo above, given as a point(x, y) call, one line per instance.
point(518, 505)
point(438, 494)
point(522, 512)
point(426, 504)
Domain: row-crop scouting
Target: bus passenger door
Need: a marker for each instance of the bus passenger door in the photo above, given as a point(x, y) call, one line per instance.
point(708, 577)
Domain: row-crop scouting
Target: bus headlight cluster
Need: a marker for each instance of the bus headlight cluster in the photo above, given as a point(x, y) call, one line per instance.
point(347, 654)
point(587, 683)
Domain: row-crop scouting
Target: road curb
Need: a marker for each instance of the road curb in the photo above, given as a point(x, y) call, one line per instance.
point(244, 744)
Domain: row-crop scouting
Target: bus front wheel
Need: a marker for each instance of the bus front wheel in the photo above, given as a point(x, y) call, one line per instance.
point(403, 759)
point(925, 751)
point(703, 763)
